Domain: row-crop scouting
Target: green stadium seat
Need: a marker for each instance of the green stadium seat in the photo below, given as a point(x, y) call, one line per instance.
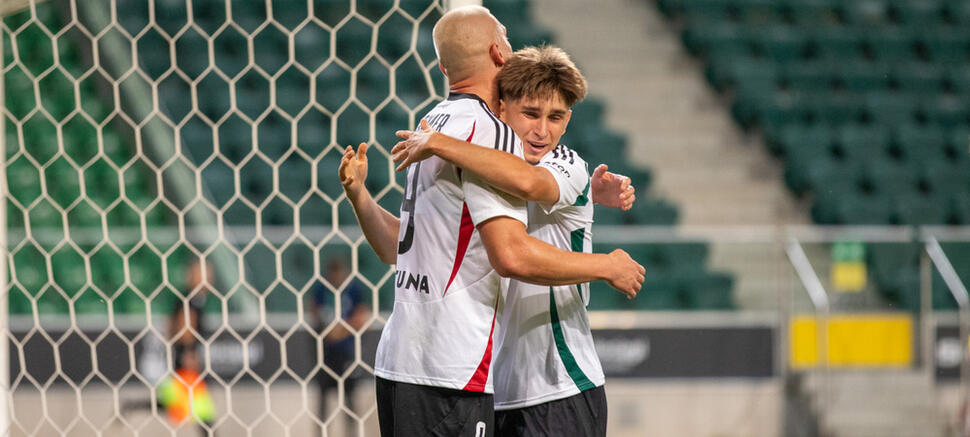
point(885, 259)
point(866, 13)
point(946, 46)
point(916, 209)
point(891, 109)
point(861, 209)
point(715, 38)
point(917, 13)
point(757, 103)
point(726, 71)
point(838, 44)
point(188, 48)
point(833, 108)
point(813, 14)
point(19, 301)
point(671, 7)
point(676, 255)
point(797, 140)
point(958, 141)
point(902, 289)
point(808, 76)
point(782, 44)
point(957, 12)
point(891, 177)
point(710, 291)
point(652, 212)
point(859, 142)
point(508, 10)
point(834, 175)
point(918, 77)
point(758, 12)
point(862, 76)
point(958, 78)
point(947, 111)
point(898, 46)
point(920, 143)
point(946, 176)
point(707, 11)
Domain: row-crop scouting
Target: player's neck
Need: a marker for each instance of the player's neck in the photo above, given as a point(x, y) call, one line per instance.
point(485, 90)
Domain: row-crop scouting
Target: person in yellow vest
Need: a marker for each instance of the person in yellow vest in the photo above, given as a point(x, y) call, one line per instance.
point(184, 394)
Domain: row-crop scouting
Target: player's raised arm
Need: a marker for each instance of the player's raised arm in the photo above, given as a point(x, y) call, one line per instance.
point(505, 171)
point(380, 227)
point(502, 170)
point(515, 254)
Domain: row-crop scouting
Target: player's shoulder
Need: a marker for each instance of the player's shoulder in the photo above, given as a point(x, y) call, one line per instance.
point(564, 155)
point(489, 130)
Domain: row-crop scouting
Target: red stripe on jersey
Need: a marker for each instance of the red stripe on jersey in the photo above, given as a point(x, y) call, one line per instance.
point(465, 229)
point(464, 236)
point(477, 383)
point(468, 140)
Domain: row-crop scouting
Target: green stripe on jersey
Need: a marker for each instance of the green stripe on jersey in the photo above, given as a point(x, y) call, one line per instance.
point(577, 375)
point(583, 199)
point(576, 239)
point(579, 378)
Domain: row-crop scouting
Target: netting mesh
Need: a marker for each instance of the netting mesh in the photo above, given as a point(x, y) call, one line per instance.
point(173, 206)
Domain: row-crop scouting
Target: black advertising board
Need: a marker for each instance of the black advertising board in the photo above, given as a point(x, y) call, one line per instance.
point(683, 352)
point(715, 352)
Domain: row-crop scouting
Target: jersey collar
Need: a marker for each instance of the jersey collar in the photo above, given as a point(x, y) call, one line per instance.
point(459, 96)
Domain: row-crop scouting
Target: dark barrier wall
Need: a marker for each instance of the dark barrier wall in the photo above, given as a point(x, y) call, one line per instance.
point(709, 352)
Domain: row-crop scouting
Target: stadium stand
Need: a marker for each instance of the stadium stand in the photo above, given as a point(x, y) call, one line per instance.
point(866, 103)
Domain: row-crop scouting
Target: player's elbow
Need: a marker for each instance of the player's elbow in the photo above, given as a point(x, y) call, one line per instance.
point(508, 262)
point(388, 257)
point(526, 188)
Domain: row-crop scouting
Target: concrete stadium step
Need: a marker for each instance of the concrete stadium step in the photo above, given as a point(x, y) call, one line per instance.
point(889, 403)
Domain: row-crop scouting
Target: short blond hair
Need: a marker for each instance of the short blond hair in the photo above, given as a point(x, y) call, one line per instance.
point(541, 73)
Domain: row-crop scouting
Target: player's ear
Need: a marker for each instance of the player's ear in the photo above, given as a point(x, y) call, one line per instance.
point(501, 108)
point(565, 120)
point(494, 52)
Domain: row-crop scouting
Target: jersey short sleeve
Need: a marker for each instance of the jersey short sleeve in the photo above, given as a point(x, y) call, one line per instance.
point(485, 202)
point(571, 174)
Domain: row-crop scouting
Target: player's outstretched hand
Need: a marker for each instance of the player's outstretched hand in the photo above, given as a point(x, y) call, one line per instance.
point(611, 190)
point(353, 169)
point(627, 275)
point(414, 148)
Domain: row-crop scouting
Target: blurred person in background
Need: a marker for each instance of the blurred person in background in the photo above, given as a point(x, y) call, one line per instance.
point(186, 323)
point(184, 394)
point(338, 343)
point(181, 391)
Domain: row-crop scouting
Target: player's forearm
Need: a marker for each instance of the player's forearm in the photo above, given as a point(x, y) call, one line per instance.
point(504, 171)
point(379, 226)
point(515, 254)
point(540, 263)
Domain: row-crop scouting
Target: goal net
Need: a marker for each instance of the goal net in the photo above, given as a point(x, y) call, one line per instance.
point(178, 254)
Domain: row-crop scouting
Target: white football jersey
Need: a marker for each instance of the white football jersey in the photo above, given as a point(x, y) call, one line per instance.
point(545, 351)
point(447, 295)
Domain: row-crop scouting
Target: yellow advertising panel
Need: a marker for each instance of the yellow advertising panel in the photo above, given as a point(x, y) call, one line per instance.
point(854, 340)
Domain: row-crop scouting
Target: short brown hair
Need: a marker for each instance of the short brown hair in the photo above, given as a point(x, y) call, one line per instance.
point(541, 72)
